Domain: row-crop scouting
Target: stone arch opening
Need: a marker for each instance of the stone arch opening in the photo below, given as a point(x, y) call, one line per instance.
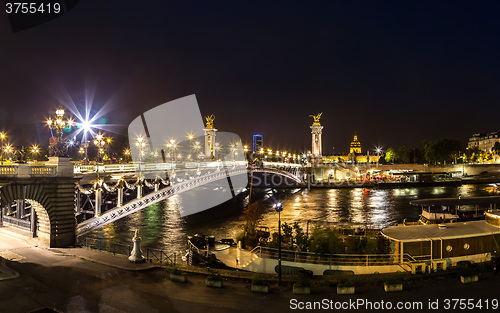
point(53, 202)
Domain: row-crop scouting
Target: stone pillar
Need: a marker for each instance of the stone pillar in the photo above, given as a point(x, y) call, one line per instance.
point(209, 141)
point(98, 200)
point(119, 200)
point(136, 254)
point(33, 222)
point(19, 208)
point(317, 151)
point(139, 191)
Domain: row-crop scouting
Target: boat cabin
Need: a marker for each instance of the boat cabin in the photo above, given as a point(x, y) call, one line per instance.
point(447, 210)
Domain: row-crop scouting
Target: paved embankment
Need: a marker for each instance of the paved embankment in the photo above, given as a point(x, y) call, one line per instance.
point(79, 280)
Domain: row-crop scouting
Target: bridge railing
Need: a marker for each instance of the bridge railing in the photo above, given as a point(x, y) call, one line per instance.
point(28, 170)
point(132, 167)
point(8, 170)
point(151, 255)
point(16, 222)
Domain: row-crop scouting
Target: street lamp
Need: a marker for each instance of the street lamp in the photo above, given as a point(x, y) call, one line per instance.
point(2, 136)
point(99, 143)
point(82, 152)
point(8, 149)
point(278, 208)
point(126, 153)
point(216, 149)
point(172, 145)
point(57, 127)
point(34, 151)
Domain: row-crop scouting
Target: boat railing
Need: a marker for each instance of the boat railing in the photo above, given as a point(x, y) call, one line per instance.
point(330, 259)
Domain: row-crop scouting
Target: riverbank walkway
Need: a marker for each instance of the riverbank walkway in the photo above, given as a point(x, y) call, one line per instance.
point(79, 280)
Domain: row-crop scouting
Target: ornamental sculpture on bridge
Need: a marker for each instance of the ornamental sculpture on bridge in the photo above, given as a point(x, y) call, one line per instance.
point(210, 121)
point(316, 118)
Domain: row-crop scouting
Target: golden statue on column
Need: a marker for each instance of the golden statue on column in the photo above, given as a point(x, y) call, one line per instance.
point(316, 118)
point(210, 121)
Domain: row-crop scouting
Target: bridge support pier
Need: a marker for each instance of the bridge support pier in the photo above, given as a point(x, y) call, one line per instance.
point(98, 201)
point(33, 218)
point(139, 191)
point(119, 200)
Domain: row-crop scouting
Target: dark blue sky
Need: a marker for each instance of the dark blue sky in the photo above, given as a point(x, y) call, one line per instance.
point(396, 73)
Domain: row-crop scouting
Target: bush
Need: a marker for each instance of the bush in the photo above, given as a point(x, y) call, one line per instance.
point(303, 280)
point(176, 271)
point(241, 237)
point(213, 274)
point(468, 271)
point(257, 280)
point(393, 281)
point(346, 283)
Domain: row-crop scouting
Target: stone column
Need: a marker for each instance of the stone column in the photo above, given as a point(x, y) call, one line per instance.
point(119, 200)
point(98, 200)
point(317, 151)
point(139, 191)
point(209, 141)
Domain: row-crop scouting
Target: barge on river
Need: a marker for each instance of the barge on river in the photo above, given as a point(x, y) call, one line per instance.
point(449, 210)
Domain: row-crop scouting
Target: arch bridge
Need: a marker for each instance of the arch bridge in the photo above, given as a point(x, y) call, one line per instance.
point(48, 198)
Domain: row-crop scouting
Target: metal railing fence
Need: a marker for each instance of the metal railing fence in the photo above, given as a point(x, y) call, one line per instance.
point(152, 255)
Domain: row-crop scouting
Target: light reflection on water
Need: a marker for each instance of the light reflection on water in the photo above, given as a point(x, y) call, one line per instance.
point(161, 226)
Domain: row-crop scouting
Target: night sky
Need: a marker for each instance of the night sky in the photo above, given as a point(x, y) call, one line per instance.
point(394, 73)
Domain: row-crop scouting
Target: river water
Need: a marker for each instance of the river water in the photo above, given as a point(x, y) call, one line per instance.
point(161, 226)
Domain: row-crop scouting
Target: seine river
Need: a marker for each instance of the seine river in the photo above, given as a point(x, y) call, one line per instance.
point(161, 226)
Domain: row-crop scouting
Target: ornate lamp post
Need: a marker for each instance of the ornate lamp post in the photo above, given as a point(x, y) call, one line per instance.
point(216, 149)
point(34, 152)
point(99, 143)
point(58, 146)
point(278, 208)
point(2, 136)
point(172, 145)
point(126, 153)
point(8, 149)
point(82, 151)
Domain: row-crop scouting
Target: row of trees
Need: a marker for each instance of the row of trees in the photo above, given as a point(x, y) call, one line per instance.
point(441, 151)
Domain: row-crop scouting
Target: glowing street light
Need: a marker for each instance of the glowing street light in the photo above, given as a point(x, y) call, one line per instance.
point(34, 152)
point(216, 148)
point(3, 135)
point(172, 145)
point(127, 153)
point(99, 142)
point(57, 127)
point(8, 148)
